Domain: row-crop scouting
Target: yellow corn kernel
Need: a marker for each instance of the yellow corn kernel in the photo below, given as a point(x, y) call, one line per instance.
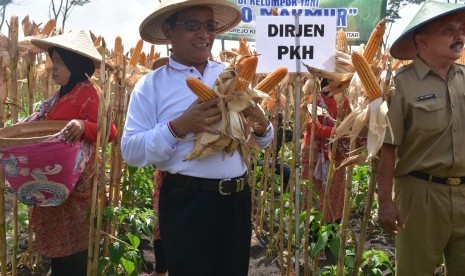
point(341, 41)
point(243, 49)
point(246, 73)
point(118, 51)
point(200, 89)
point(48, 27)
point(374, 42)
point(368, 79)
point(151, 56)
point(142, 59)
point(268, 83)
point(136, 53)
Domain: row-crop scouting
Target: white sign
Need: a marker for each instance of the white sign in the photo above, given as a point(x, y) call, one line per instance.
point(291, 41)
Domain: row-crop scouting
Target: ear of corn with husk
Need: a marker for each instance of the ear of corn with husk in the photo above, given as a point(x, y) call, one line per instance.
point(233, 129)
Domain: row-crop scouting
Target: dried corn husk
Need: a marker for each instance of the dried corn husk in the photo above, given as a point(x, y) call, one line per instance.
point(233, 130)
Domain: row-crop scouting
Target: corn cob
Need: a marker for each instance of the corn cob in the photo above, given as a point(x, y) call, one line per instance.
point(341, 41)
point(118, 52)
point(268, 83)
point(200, 89)
point(374, 42)
point(48, 27)
point(151, 56)
point(243, 49)
point(142, 59)
point(136, 53)
point(368, 79)
point(246, 73)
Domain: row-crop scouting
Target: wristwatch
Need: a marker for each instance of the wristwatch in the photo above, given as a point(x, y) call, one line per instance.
point(265, 133)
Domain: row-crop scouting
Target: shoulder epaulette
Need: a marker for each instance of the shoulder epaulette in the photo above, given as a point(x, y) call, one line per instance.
point(402, 69)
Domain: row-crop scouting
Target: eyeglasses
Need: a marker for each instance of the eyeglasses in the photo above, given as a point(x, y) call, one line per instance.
point(194, 25)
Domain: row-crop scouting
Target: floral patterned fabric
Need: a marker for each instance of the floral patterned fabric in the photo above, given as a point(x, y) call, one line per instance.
point(64, 230)
point(40, 178)
point(321, 156)
point(158, 180)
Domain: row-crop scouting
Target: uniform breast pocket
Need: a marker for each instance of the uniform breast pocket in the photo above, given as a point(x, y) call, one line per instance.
point(430, 115)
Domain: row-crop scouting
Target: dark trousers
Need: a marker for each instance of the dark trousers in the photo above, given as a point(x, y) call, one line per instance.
point(205, 233)
point(160, 260)
point(72, 265)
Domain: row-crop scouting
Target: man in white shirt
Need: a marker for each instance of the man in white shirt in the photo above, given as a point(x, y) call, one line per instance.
point(205, 204)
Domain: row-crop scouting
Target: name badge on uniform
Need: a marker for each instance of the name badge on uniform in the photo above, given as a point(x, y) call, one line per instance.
point(426, 97)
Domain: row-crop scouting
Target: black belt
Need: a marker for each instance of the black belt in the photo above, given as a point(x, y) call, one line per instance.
point(223, 186)
point(452, 181)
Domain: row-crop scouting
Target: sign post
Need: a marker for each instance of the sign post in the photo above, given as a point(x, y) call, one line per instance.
point(289, 41)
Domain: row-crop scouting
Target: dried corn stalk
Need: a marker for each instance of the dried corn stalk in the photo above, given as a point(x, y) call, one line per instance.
point(29, 28)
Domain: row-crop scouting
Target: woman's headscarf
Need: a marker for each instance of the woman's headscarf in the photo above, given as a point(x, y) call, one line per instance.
point(78, 65)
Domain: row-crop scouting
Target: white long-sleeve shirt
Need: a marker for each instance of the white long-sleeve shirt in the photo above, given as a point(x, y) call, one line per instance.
point(162, 96)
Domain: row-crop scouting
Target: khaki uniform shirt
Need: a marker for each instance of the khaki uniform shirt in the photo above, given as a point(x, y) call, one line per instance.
point(427, 115)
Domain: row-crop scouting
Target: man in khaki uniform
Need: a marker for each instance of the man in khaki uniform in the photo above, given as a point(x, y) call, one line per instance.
point(425, 159)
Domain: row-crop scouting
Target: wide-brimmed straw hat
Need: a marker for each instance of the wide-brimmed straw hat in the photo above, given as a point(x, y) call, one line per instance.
point(75, 41)
point(403, 47)
point(226, 13)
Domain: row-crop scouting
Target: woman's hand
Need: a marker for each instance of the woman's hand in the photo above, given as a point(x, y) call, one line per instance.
point(73, 131)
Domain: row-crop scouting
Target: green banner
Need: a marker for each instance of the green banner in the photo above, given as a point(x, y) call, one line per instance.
point(356, 17)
